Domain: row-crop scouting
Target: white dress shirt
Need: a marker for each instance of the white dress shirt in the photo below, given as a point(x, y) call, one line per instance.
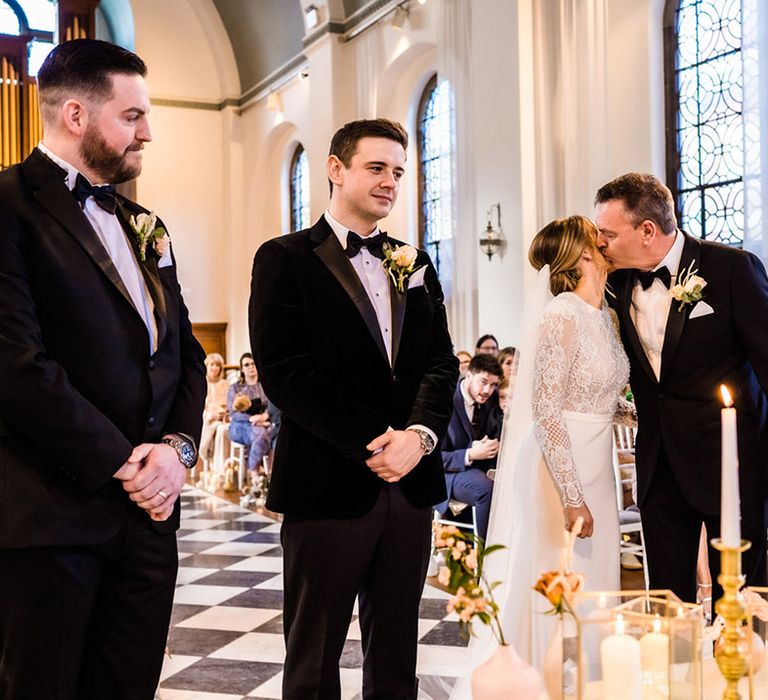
point(650, 307)
point(113, 238)
point(375, 281)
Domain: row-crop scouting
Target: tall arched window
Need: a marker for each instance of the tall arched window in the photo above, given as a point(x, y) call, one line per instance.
point(705, 127)
point(299, 189)
point(36, 20)
point(436, 146)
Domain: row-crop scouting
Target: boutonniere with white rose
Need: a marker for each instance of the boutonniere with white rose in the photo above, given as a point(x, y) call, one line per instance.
point(399, 263)
point(688, 289)
point(146, 229)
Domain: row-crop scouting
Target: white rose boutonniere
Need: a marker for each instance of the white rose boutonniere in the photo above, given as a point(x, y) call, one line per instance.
point(146, 229)
point(398, 262)
point(688, 289)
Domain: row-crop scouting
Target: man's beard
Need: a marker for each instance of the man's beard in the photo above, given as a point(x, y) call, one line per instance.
point(100, 157)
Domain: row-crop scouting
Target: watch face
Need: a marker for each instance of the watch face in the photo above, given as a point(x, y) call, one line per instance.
point(187, 453)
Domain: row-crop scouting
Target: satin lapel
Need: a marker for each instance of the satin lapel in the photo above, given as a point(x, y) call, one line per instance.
point(149, 271)
point(334, 258)
point(397, 301)
point(676, 319)
point(461, 412)
point(51, 192)
point(629, 326)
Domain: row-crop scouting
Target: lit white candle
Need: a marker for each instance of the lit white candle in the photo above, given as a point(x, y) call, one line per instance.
point(620, 656)
point(730, 511)
point(654, 660)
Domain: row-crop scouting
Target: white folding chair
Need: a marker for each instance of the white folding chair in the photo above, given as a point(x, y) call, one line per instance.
point(237, 456)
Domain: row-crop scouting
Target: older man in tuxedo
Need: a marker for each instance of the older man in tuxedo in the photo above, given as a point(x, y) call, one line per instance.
point(349, 332)
point(101, 398)
point(680, 352)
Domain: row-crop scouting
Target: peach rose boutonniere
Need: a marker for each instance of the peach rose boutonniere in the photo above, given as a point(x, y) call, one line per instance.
point(688, 289)
point(399, 263)
point(146, 229)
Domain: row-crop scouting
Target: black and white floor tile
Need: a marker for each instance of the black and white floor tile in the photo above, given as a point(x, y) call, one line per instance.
point(226, 639)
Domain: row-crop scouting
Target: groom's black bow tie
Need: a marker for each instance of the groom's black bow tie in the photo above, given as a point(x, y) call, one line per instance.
point(104, 194)
point(646, 278)
point(373, 243)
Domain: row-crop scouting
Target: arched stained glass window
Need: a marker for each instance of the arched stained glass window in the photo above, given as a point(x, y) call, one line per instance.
point(437, 145)
point(299, 190)
point(705, 126)
point(33, 18)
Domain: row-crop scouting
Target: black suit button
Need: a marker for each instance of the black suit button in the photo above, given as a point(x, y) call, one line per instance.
point(395, 378)
point(151, 365)
point(151, 421)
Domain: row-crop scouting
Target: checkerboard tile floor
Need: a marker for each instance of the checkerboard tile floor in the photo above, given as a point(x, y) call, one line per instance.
point(226, 638)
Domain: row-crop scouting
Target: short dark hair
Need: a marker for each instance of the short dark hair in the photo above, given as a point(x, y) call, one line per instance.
point(485, 337)
point(345, 140)
point(84, 66)
point(644, 198)
point(483, 362)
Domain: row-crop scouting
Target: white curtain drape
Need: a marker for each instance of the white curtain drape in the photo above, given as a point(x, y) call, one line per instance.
point(454, 25)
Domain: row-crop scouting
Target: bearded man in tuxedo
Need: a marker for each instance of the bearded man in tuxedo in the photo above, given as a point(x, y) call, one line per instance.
point(359, 360)
point(680, 353)
point(101, 399)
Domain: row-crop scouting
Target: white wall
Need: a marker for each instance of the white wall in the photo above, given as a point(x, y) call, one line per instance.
point(218, 178)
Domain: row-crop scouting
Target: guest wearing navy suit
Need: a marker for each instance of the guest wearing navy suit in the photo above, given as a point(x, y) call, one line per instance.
point(471, 444)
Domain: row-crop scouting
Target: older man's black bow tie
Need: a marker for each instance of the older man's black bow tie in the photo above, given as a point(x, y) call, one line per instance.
point(373, 243)
point(646, 278)
point(104, 194)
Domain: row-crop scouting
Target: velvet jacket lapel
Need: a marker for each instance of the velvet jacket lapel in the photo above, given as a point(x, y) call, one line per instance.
point(676, 319)
point(398, 303)
point(331, 253)
point(461, 412)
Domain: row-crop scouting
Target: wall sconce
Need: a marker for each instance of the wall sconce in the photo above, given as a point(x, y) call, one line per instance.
point(398, 17)
point(311, 17)
point(492, 239)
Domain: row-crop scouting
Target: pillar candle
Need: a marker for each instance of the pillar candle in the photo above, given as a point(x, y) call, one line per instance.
point(654, 661)
point(730, 511)
point(620, 656)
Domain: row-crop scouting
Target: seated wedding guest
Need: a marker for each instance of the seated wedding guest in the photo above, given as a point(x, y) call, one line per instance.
point(503, 393)
point(507, 361)
point(468, 449)
point(464, 358)
point(215, 404)
point(249, 419)
point(487, 345)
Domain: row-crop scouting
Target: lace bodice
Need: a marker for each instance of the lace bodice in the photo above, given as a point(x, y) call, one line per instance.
point(579, 366)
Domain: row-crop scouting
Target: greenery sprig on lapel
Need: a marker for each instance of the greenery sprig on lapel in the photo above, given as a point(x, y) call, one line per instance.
point(146, 229)
point(688, 289)
point(399, 263)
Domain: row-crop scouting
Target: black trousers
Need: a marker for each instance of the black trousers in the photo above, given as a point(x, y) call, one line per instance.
point(87, 623)
point(382, 557)
point(672, 528)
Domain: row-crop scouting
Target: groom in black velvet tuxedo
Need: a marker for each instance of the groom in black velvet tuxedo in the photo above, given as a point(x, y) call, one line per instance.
point(363, 372)
point(101, 397)
point(680, 354)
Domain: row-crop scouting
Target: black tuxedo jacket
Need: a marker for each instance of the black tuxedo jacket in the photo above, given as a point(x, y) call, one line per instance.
point(79, 386)
point(680, 412)
point(322, 361)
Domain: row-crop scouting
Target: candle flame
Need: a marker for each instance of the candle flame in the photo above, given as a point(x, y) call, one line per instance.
point(727, 400)
point(619, 624)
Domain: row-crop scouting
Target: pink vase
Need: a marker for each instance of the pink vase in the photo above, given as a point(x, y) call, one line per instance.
point(505, 675)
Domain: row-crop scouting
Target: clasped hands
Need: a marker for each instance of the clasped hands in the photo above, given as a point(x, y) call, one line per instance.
point(395, 453)
point(153, 477)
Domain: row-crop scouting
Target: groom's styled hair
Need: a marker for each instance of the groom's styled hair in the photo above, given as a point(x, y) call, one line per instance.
point(644, 197)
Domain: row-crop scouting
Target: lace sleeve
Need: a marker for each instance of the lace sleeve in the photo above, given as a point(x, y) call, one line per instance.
point(554, 355)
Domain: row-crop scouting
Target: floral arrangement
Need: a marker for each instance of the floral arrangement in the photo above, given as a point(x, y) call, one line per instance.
point(146, 229)
point(688, 289)
point(255, 491)
point(399, 263)
point(463, 576)
point(560, 586)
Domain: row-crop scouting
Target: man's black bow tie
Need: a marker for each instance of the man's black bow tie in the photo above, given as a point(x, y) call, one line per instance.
point(373, 243)
point(104, 194)
point(646, 278)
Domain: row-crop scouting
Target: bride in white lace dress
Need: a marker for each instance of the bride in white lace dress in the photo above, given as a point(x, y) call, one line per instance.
point(556, 456)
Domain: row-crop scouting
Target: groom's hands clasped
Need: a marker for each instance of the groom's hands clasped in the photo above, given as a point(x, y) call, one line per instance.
point(396, 452)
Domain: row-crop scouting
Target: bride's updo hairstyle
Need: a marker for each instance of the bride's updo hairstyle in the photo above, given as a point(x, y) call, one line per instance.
point(560, 245)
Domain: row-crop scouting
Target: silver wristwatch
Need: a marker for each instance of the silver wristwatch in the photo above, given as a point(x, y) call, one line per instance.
point(427, 443)
point(184, 446)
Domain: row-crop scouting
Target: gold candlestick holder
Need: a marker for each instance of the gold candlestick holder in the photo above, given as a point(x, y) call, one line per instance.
point(731, 660)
